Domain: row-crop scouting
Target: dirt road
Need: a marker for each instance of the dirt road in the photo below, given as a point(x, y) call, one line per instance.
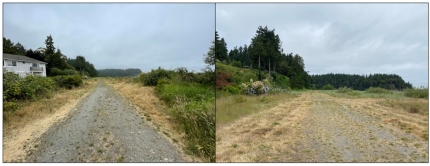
point(319, 128)
point(103, 128)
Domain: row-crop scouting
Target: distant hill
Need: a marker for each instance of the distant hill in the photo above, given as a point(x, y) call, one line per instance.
point(119, 72)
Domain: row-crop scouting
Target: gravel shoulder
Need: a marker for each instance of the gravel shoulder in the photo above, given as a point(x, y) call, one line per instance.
point(318, 128)
point(103, 128)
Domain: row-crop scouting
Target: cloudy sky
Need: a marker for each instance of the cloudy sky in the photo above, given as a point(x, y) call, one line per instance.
point(143, 36)
point(339, 38)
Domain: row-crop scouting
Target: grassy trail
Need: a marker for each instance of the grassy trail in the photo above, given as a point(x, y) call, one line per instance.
point(319, 128)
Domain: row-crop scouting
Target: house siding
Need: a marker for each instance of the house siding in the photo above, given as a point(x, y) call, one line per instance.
point(23, 68)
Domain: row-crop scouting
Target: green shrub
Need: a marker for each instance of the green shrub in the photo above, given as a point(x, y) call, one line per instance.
point(327, 87)
point(344, 90)
point(69, 72)
point(377, 90)
point(152, 77)
point(248, 76)
point(421, 92)
point(56, 72)
point(161, 83)
point(68, 81)
point(29, 87)
point(232, 90)
point(207, 76)
point(9, 107)
point(236, 64)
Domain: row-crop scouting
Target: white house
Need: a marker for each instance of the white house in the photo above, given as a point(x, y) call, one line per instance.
point(22, 65)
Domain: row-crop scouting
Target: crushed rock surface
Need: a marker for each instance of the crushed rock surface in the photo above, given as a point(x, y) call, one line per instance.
point(104, 128)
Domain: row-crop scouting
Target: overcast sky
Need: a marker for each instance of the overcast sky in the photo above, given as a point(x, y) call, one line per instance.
point(339, 38)
point(121, 36)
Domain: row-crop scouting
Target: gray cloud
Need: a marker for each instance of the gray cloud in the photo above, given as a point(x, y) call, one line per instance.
point(111, 35)
point(339, 38)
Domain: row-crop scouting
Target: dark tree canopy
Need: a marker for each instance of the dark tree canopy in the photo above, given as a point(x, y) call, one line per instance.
point(357, 82)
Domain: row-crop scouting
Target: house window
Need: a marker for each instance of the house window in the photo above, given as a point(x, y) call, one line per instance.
point(11, 63)
point(35, 65)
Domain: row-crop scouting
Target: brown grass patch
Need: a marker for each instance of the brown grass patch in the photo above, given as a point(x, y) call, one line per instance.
point(261, 133)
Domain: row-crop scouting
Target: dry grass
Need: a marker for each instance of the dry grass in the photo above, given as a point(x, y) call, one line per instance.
point(33, 110)
point(34, 118)
point(230, 108)
point(408, 114)
point(274, 134)
point(259, 134)
point(149, 105)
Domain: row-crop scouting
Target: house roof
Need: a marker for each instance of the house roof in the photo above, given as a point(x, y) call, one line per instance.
point(20, 58)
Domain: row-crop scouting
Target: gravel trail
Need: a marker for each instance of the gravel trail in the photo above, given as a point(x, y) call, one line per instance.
point(103, 128)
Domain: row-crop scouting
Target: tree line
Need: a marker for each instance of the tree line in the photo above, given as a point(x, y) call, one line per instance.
point(119, 72)
point(360, 82)
point(56, 60)
point(265, 53)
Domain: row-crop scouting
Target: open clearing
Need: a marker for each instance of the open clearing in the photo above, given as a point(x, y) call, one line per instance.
point(316, 127)
point(101, 128)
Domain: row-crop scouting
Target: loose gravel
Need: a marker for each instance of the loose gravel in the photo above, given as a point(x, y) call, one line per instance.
point(103, 128)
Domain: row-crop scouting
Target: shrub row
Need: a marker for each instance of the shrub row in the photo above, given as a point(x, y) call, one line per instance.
point(68, 81)
point(421, 92)
point(377, 90)
point(29, 87)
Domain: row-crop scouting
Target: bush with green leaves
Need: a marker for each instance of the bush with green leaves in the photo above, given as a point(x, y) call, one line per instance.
point(236, 64)
point(421, 92)
point(232, 90)
point(248, 76)
point(207, 76)
point(377, 90)
point(152, 77)
point(344, 90)
point(68, 81)
point(69, 72)
point(25, 88)
point(327, 87)
point(56, 72)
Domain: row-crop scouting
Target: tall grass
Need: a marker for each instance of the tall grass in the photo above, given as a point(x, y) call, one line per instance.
point(231, 107)
point(411, 106)
point(415, 92)
point(191, 97)
point(198, 120)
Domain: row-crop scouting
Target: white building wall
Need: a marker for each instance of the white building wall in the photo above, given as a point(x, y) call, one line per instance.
point(24, 68)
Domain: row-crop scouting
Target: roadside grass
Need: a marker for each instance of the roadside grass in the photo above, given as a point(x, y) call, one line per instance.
point(411, 106)
point(185, 107)
point(35, 109)
point(228, 109)
point(362, 94)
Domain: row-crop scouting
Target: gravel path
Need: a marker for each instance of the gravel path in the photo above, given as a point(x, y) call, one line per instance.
point(104, 128)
